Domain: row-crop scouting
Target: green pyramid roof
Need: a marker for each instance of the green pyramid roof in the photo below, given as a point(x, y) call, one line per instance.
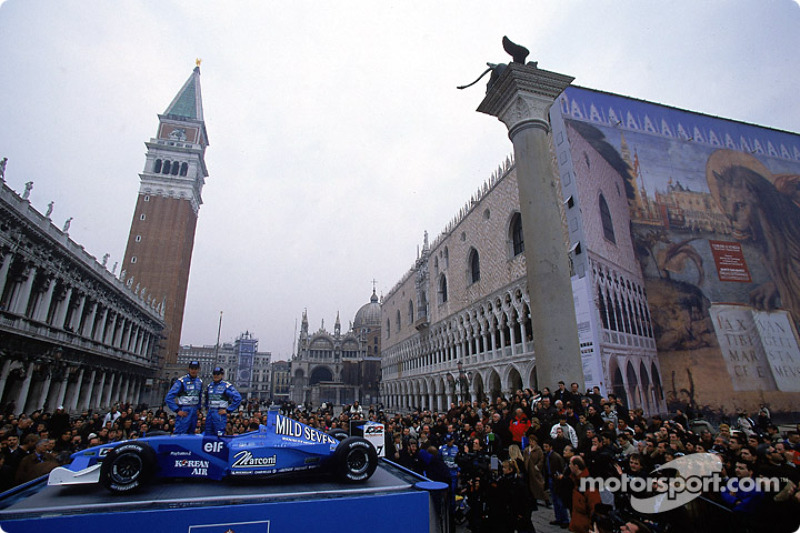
point(188, 102)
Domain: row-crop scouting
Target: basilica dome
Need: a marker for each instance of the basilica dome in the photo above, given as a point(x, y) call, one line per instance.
point(369, 316)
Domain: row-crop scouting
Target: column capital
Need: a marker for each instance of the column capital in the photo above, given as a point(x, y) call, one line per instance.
point(522, 95)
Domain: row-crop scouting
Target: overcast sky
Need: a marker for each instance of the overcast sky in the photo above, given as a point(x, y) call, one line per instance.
point(337, 135)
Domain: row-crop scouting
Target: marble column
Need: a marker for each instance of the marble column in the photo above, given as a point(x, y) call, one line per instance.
point(521, 98)
point(4, 375)
point(22, 397)
point(75, 392)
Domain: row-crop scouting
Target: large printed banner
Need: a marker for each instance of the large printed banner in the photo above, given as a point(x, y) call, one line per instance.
point(715, 219)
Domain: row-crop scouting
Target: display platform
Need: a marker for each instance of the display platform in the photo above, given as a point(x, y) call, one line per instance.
point(392, 499)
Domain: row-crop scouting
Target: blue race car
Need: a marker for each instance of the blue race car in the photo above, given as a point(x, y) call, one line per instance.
point(283, 445)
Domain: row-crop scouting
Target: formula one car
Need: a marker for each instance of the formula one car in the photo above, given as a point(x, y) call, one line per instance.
point(282, 445)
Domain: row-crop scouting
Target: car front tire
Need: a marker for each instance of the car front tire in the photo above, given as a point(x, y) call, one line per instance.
point(127, 467)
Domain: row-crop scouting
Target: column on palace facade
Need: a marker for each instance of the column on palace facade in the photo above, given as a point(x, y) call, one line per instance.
point(512, 331)
point(101, 325)
point(87, 399)
point(62, 391)
point(8, 258)
point(45, 391)
point(44, 305)
point(101, 388)
point(126, 389)
point(22, 397)
point(121, 330)
point(60, 317)
point(88, 325)
point(4, 375)
point(75, 392)
point(135, 389)
point(19, 304)
point(107, 398)
point(75, 318)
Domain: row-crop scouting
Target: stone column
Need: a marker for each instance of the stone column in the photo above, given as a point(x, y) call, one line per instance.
point(20, 303)
point(62, 391)
point(87, 400)
point(8, 258)
point(521, 98)
point(4, 375)
point(22, 397)
point(75, 392)
point(108, 399)
point(63, 306)
point(101, 391)
point(45, 391)
point(44, 305)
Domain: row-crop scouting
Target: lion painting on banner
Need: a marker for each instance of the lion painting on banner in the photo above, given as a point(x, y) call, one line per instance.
point(760, 213)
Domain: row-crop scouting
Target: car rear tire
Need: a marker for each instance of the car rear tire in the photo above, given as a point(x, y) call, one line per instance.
point(355, 460)
point(127, 467)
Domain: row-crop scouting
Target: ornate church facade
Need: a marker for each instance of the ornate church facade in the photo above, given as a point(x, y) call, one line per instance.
point(339, 368)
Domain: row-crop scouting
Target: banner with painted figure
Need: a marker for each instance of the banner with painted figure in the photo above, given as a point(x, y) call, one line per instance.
point(715, 220)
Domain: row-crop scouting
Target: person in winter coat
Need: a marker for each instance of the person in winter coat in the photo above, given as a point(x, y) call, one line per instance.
point(534, 466)
point(583, 501)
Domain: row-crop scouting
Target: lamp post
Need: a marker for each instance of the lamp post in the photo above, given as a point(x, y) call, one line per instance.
point(463, 382)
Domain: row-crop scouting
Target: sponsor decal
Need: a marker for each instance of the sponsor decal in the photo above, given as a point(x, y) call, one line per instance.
point(292, 428)
point(180, 453)
point(186, 463)
point(213, 447)
point(373, 429)
point(245, 459)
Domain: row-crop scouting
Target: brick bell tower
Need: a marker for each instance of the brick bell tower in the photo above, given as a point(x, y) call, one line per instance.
point(159, 250)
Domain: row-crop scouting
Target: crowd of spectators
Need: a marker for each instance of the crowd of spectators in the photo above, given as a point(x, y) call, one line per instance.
point(503, 459)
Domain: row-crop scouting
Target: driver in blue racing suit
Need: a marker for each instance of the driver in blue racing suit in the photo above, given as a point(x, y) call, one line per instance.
point(184, 399)
point(221, 398)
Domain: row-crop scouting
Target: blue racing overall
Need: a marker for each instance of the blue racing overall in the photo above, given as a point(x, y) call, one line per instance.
point(184, 395)
point(220, 395)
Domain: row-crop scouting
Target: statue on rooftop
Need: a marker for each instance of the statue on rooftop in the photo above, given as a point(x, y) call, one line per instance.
point(518, 54)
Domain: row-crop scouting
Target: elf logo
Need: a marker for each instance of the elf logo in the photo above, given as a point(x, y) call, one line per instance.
point(213, 447)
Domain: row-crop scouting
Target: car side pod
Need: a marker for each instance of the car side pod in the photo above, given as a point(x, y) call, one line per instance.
point(355, 460)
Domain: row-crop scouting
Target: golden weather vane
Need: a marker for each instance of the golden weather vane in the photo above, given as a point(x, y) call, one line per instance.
point(198, 61)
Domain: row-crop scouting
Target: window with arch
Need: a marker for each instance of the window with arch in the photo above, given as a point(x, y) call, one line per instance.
point(515, 230)
point(442, 289)
point(474, 266)
point(166, 168)
point(397, 320)
point(410, 311)
point(157, 167)
point(184, 169)
point(446, 257)
point(605, 218)
point(388, 328)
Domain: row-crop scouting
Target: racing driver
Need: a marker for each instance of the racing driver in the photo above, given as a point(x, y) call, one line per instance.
point(184, 399)
point(221, 398)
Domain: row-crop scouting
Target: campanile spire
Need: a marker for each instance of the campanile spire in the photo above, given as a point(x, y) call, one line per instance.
point(159, 251)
